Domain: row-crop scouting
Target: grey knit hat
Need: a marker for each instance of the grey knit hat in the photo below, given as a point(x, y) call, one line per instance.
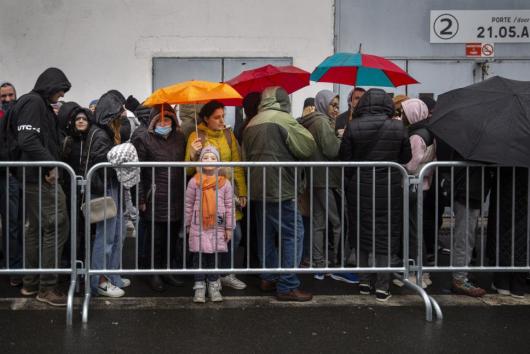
point(210, 149)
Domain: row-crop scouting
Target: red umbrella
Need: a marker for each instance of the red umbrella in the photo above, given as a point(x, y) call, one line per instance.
point(289, 77)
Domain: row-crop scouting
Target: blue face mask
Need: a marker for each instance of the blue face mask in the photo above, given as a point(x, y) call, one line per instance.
point(164, 131)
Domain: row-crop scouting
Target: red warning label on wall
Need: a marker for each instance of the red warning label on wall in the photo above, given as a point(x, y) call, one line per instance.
point(473, 49)
point(480, 50)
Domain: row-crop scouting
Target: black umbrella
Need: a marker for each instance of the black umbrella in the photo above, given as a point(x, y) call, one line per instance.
point(488, 121)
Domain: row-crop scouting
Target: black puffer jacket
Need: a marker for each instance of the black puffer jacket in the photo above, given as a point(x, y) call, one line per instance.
point(374, 136)
point(154, 147)
point(37, 131)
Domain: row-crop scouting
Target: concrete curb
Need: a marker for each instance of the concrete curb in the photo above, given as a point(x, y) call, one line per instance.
point(230, 302)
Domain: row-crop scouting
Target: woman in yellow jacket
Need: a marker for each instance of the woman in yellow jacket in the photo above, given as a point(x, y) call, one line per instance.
point(212, 131)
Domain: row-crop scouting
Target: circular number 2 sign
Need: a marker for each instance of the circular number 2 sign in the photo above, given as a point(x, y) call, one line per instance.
point(445, 26)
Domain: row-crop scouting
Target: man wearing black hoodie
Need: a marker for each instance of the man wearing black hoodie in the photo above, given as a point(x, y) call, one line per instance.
point(46, 214)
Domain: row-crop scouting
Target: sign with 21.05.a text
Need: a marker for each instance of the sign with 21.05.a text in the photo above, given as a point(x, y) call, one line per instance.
point(492, 26)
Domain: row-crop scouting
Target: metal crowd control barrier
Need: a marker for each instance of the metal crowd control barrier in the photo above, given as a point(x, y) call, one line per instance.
point(41, 230)
point(487, 214)
point(275, 177)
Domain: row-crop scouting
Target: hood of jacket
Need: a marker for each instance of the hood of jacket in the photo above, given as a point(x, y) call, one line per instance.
point(51, 81)
point(143, 114)
point(415, 110)
point(374, 102)
point(63, 116)
point(154, 116)
point(311, 118)
point(275, 98)
point(70, 127)
point(323, 100)
point(110, 107)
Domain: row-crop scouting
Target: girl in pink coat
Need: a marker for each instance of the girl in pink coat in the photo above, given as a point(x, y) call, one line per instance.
point(209, 221)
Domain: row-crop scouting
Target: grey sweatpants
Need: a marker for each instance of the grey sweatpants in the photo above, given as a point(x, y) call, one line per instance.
point(319, 227)
point(464, 237)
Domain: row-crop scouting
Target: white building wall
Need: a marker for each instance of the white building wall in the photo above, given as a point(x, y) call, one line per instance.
point(109, 44)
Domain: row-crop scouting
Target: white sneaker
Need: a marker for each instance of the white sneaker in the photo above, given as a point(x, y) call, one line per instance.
point(200, 292)
point(214, 291)
point(412, 279)
point(426, 279)
point(126, 282)
point(232, 282)
point(107, 289)
point(504, 292)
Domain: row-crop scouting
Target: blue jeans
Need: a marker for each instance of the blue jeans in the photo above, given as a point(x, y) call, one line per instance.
point(291, 229)
point(15, 227)
point(108, 243)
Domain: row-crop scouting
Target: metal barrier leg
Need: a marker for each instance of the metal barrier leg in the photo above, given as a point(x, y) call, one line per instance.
point(70, 298)
point(86, 304)
point(424, 296)
point(437, 309)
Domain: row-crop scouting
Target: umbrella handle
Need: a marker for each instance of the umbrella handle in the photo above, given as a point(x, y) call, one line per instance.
point(195, 119)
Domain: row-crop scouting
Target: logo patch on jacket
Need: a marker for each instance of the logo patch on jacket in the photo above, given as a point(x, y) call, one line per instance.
point(28, 127)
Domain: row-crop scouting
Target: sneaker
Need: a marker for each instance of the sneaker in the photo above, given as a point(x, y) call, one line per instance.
point(383, 296)
point(412, 279)
point(517, 296)
point(465, 287)
point(200, 292)
point(319, 276)
point(108, 289)
point(214, 291)
point(504, 292)
point(349, 278)
point(28, 291)
point(125, 282)
point(426, 279)
point(232, 282)
point(52, 297)
point(365, 289)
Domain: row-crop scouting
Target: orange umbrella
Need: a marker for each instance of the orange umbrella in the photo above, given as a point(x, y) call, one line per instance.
point(194, 91)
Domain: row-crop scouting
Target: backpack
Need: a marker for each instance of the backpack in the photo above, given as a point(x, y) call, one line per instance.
point(426, 135)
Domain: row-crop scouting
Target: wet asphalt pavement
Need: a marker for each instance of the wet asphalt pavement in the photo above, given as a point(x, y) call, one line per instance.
point(349, 329)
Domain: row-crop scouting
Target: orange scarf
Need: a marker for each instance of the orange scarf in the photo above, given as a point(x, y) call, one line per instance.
point(209, 198)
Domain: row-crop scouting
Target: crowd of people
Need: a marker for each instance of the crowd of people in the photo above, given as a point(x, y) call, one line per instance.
point(297, 217)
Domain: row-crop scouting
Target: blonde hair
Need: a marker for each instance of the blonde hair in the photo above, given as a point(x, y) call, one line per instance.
point(115, 125)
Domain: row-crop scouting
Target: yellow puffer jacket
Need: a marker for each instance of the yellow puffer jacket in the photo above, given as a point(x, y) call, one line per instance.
point(218, 139)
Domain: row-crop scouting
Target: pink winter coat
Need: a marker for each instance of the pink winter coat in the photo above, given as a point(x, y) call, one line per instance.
point(416, 111)
point(205, 240)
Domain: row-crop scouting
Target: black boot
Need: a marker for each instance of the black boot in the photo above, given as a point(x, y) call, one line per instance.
point(173, 280)
point(156, 283)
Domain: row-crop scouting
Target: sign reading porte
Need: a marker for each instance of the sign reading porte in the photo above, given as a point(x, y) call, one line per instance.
point(485, 26)
point(480, 50)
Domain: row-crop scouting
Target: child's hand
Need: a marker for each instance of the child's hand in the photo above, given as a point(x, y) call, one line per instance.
point(188, 230)
point(228, 235)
